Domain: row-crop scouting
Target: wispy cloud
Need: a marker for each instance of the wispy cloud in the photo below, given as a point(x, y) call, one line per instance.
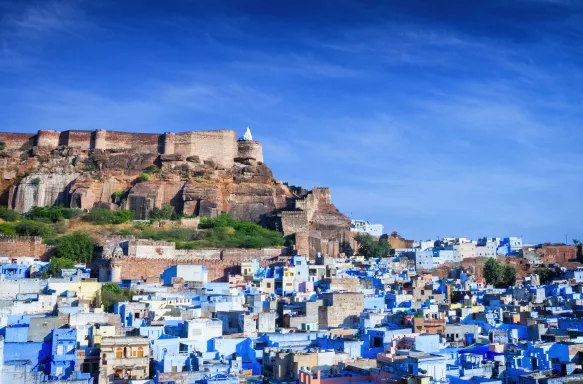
point(25, 27)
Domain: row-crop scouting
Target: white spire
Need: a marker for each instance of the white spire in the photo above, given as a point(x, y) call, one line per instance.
point(247, 136)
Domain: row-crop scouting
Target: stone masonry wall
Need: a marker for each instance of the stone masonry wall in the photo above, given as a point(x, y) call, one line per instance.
point(23, 246)
point(16, 140)
point(220, 146)
point(294, 222)
point(218, 270)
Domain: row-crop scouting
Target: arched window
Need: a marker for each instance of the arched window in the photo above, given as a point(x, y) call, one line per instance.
point(164, 351)
point(140, 352)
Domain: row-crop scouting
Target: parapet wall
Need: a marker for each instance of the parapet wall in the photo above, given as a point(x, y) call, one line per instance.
point(16, 140)
point(23, 246)
point(294, 222)
point(220, 146)
point(225, 263)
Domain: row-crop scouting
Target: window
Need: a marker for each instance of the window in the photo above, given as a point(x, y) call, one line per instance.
point(59, 371)
point(140, 352)
point(59, 349)
point(118, 353)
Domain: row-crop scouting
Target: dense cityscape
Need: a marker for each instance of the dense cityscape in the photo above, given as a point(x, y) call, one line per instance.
point(122, 286)
point(291, 192)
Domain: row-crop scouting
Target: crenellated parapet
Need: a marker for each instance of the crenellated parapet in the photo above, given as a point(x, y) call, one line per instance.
point(219, 146)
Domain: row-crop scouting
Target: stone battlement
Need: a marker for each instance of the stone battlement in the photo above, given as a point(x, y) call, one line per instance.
point(220, 146)
point(21, 239)
point(24, 246)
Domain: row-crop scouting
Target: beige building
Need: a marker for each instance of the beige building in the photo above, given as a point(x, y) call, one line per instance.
point(340, 309)
point(124, 358)
point(462, 251)
point(278, 364)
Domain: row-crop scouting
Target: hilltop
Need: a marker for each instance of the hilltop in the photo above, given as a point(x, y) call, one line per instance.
point(196, 174)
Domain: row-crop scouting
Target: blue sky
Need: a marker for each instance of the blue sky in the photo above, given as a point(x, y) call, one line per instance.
point(434, 118)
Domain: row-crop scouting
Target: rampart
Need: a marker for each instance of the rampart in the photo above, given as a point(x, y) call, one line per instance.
point(250, 150)
point(129, 259)
point(16, 140)
point(23, 246)
point(298, 221)
point(220, 146)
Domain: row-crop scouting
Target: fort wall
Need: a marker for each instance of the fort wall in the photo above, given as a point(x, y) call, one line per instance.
point(220, 146)
point(16, 140)
point(142, 268)
point(250, 150)
point(23, 246)
point(294, 222)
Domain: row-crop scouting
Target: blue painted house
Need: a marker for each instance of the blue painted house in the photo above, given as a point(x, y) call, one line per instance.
point(64, 353)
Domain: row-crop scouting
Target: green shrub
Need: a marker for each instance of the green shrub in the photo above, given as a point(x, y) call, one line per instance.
point(369, 247)
point(35, 228)
point(112, 294)
point(35, 181)
point(145, 176)
point(152, 169)
point(53, 214)
point(223, 232)
point(104, 216)
point(8, 214)
point(77, 246)
point(122, 216)
point(100, 216)
point(57, 264)
point(8, 229)
point(164, 213)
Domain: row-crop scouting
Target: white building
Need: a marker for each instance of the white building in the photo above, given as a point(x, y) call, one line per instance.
point(366, 227)
point(487, 250)
point(432, 258)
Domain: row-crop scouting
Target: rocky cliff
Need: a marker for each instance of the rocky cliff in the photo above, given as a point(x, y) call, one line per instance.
point(32, 175)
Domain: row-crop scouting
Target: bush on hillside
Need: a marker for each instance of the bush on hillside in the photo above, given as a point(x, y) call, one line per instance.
point(53, 214)
point(77, 246)
point(8, 229)
point(35, 228)
point(222, 232)
point(7, 214)
point(103, 216)
point(164, 213)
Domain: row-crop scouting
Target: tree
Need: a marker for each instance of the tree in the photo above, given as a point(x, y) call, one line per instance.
point(492, 272)
point(369, 247)
point(112, 293)
point(509, 275)
point(59, 263)
point(8, 214)
point(579, 246)
point(545, 275)
point(77, 246)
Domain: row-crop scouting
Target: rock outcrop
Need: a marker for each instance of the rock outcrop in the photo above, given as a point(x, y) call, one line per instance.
point(84, 172)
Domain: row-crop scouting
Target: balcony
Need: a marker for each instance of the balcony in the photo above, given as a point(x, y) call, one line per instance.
point(127, 362)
